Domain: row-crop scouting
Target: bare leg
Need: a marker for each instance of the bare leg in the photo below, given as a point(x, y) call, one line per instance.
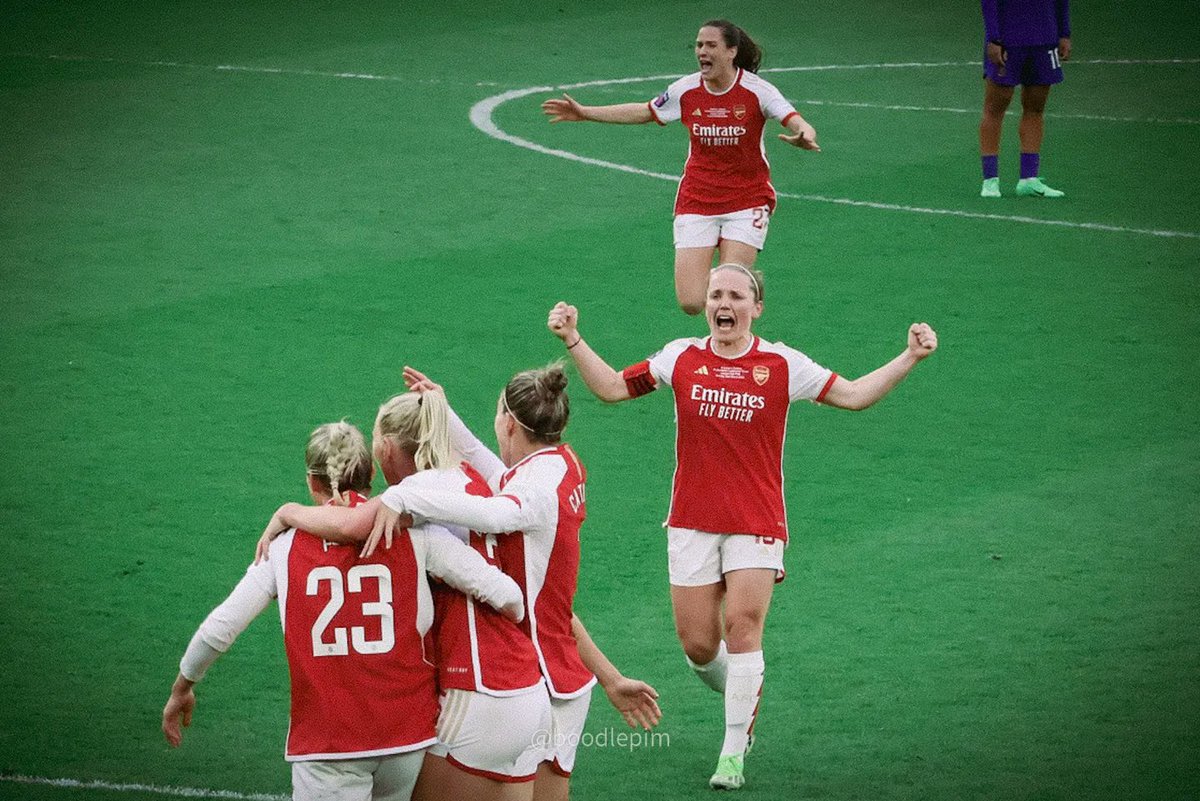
point(738, 253)
point(442, 781)
point(747, 599)
point(691, 277)
point(995, 102)
point(550, 785)
point(698, 620)
point(1033, 107)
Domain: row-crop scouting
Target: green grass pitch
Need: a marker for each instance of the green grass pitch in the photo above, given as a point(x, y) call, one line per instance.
point(219, 228)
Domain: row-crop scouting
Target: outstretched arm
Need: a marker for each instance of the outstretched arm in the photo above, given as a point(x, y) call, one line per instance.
point(862, 392)
point(635, 700)
point(604, 382)
point(568, 109)
point(802, 135)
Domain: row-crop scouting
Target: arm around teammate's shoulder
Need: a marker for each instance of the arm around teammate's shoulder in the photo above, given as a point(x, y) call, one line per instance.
point(605, 383)
point(860, 393)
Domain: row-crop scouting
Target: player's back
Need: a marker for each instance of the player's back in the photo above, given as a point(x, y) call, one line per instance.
point(355, 634)
point(547, 560)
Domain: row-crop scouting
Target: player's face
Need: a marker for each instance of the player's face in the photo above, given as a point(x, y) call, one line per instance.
point(394, 462)
point(731, 307)
point(503, 428)
point(714, 56)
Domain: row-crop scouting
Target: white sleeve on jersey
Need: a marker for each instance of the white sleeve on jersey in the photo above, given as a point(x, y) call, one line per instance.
point(662, 364)
point(493, 515)
point(249, 598)
point(464, 569)
point(806, 378)
point(774, 105)
point(474, 451)
point(665, 107)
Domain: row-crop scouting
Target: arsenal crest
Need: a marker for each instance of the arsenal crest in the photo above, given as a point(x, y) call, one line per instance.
point(761, 374)
point(739, 111)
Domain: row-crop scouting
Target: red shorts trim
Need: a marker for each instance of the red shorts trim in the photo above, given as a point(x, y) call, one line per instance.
point(487, 774)
point(557, 768)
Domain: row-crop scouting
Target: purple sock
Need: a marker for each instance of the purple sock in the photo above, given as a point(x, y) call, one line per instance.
point(1029, 165)
point(991, 167)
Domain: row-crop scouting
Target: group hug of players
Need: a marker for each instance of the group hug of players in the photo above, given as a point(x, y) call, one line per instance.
point(476, 684)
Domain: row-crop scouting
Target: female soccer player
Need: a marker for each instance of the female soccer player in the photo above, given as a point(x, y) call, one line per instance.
point(727, 525)
point(364, 696)
point(1027, 41)
point(542, 500)
point(725, 199)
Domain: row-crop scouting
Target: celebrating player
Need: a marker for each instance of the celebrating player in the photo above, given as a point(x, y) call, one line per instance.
point(1026, 43)
point(725, 199)
point(364, 695)
point(727, 525)
point(542, 502)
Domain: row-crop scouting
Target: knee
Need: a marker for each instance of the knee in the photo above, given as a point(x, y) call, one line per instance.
point(700, 648)
point(691, 307)
point(743, 629)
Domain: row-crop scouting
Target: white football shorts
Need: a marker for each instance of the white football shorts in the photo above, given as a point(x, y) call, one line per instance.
point(704, 231)
point(385, 778)
point(567, 718)
point(498, 737)
point(696, 558)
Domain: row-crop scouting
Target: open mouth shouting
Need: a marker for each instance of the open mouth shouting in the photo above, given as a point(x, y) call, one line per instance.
point(725, 321)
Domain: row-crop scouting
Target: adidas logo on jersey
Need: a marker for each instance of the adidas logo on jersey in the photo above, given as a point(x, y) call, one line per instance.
point(702, 370)
point(696, 113)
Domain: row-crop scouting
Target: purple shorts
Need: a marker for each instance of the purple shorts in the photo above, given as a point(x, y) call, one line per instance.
point(1037, 65)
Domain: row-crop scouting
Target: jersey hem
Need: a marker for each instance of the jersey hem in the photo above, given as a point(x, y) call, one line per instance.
point(399, 749)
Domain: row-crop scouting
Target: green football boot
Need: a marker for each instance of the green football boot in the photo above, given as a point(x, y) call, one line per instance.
point(729, 775)
point(1033, 187)
point(991, 188)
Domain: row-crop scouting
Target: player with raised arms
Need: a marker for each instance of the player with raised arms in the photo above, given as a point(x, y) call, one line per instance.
point(542, 504)
point(725, 199)
point(727, 524)
point(364, 692)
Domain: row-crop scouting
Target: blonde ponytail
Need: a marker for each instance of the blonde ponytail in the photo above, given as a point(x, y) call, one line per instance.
point(420, 424)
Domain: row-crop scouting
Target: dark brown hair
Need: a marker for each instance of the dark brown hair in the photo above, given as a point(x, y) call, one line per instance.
point(749, 54)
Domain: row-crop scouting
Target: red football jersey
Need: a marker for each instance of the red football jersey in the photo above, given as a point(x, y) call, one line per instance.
point(477, 647)
point(354, 630)
point(726, 168)
point(545, 561)
point(731, 421)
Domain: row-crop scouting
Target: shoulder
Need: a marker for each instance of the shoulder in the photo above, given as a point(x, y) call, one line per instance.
point(282, 545)
point(663, 362)
point(779, 349)
point(760, 87)
point(678, 346)
point(685, 84)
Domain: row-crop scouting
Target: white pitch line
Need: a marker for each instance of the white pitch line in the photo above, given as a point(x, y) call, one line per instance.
point(1011, 112)
point(481, 118)
point(157, 789)
point(361, 76)
point(885, 65)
